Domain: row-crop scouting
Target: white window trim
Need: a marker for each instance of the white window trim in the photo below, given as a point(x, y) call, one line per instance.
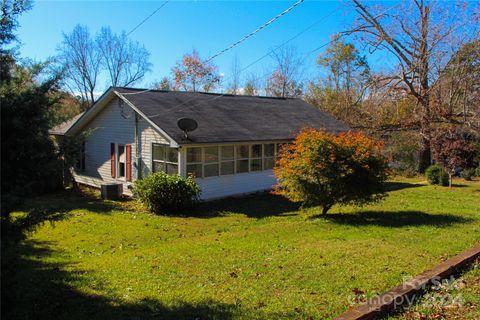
point(164, 161)
point(222, 161)
point(235, 157)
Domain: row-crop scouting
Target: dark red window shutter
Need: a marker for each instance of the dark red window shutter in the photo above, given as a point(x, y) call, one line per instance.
point(112, 159)
point(128, 162)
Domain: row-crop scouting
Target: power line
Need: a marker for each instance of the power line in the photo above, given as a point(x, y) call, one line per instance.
point(262, 57)
point(148, 17)
point(255, 61)
point(257, 30)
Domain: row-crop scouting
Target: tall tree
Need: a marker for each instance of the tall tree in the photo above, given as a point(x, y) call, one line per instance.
point(347, 69)
point(11, 10)
point(342, 90)
point(284, 80)
point(422, 36)
point(126, 61)
point(81, 59)
point(193, 74)
point(27, 93)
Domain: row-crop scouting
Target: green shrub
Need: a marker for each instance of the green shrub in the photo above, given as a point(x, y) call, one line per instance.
point(163, 193)
point(444, 179)
point(468, 173)
point(436, 175)
point(477, 172)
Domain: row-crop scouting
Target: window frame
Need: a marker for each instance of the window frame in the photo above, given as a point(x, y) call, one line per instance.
point(201, 162)
point(165, 162)
point(256, 158)
point(221, 161)
point(205, 163)
point(117, 162)
point(273, 157)
point(235, 157)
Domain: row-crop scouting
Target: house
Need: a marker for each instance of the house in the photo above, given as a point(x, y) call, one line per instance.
point(134, 132)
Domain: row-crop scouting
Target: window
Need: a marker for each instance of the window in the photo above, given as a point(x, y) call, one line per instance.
point(121, 161)
point(227, 166)
point(194, 162)
point(211, 161)
point(165, 159)
point(256, 157)
point(242, 158)
point(268, 154)
point(210, 168)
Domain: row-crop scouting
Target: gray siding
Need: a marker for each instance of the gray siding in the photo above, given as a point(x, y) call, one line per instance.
point(148, 136)
point(115, 125)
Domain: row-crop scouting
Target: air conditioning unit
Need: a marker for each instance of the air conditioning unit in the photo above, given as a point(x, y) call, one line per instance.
point(112, 191)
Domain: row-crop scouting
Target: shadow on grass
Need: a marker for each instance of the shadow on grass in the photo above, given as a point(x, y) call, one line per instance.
point(395, 219)
point(394, 185)
point(259, 205)
point(34, 289)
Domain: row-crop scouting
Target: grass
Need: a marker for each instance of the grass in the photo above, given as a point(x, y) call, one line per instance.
point(456, 299)
point(253, 258)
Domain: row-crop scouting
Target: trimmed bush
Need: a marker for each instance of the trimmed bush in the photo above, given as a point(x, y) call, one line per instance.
point(436, 175)
point(163, 193)
point(468, 174)
point(477, 172)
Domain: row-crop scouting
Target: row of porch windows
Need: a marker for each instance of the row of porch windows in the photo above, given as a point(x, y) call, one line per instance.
point(226, 160)
point(217, 160)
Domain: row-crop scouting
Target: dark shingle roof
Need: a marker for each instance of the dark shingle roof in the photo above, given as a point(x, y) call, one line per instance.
point(63, 127)
point(229, 118)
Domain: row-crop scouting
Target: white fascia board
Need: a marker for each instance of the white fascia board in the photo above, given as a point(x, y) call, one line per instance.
point(172, 142)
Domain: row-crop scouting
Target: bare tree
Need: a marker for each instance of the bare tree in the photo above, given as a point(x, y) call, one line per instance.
point(251, 86)
point(284, 80)
point(234, 85)
point(82, 62)
point(125, 60)
point(456, 95)
point(422, 36)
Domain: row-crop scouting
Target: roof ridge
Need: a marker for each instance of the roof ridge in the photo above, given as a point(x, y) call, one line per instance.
point(206, 93)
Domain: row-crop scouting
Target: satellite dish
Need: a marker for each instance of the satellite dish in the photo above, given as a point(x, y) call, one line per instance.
point(187, 125)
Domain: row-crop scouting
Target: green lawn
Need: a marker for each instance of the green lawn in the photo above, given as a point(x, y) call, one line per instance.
point(257, 257)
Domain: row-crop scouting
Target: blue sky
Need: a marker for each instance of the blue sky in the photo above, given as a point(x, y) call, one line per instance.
point(180, 26)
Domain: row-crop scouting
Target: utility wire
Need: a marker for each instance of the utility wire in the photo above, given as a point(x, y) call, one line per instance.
point(148, 17)
point(256, 31)
point(253, 62)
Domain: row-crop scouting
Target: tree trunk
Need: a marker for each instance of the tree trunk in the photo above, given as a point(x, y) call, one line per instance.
point(424, 159)
point(424, 96)
point(325, 209)
point(450, 180)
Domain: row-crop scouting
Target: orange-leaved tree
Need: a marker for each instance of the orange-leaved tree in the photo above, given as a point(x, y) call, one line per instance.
point(323, 169)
